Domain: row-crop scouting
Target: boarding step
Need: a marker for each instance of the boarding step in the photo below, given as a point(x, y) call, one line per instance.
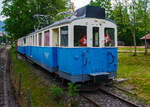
point(99, 77)
point(99, 74)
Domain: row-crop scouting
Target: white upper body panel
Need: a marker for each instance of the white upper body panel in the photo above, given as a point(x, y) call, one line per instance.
point(33, 38)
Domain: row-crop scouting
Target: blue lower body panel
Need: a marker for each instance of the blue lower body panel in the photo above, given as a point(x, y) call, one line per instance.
point(43, 56)
point(21, 49)
point(79, 64)
point(75, 64)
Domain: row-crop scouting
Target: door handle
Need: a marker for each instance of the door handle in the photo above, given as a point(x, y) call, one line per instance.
point(113, 58)
point(84, 59)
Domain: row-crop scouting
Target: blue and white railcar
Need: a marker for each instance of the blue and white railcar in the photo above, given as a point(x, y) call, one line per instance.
point(79, 48)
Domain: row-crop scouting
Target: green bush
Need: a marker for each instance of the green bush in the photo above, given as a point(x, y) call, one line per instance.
point(73, 92)
point(56, 92)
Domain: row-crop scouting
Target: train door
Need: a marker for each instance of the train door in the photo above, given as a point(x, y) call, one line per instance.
point(80, 42)
point(94, 53)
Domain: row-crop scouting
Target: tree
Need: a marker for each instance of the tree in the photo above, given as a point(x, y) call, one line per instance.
point(145, 22)
point(125, 16)
point(121, 17)
point(140, 17)
point(133, 21)
point(20, 13)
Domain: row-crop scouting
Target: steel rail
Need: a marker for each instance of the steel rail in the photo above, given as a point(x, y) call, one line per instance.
point(124, 90)
point(120, 98)
point(92, 101)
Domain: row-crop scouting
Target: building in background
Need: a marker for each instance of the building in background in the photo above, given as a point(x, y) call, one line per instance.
point(147, 37)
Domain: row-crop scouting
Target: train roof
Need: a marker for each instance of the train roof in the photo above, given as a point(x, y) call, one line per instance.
point(82, 13)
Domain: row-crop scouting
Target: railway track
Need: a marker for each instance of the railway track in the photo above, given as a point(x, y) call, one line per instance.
point(7, 97)
point(105, 98)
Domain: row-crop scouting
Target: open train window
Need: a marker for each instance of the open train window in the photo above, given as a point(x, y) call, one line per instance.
point(109, 37)
point(95, 36)
point(64, 35)
point(80, 36)
point(55, 37)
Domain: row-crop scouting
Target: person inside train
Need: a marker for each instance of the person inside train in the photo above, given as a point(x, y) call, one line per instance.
point(83, 41)
point(107, 40)
point(80, 36)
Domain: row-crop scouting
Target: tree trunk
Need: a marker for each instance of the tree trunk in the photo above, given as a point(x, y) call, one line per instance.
point(134, 39)
point(145, 21)
point(145, 46)
point(134, 27)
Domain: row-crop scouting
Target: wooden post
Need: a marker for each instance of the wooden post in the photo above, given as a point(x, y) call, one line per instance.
point(29, 99)
point(19, 88)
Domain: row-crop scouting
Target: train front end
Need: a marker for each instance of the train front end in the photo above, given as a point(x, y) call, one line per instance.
point(91, 52)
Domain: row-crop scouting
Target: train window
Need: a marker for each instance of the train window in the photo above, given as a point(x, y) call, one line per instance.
point(95, 36)
point(46, 38)
point(33, 40)
point(40, 39)
point(36, 40)
point(109, 38)
point(80, 36)
point(30, 40)
point(64, 35)
point(55, 37)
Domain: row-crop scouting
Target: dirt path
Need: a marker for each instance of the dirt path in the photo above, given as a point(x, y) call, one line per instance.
point(7, 97)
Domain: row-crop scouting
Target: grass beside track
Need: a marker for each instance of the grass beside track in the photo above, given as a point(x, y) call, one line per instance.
point(132, 48)
point(137, 70)
point(40, 93)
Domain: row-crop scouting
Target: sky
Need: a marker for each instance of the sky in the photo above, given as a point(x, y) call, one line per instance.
point(1, 10)
point(80, 3)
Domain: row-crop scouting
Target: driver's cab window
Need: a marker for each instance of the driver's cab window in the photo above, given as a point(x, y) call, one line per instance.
point(80, 36)
point(109, 37)
point(95, 36)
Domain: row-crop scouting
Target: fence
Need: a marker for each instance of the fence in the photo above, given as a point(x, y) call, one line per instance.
point(17, 84)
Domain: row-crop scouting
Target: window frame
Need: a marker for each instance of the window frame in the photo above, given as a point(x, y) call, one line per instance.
point(63, 35)
point(45, 42)
point(114, 36)
point(40, 39)
point(99, 38)
point(74, 34)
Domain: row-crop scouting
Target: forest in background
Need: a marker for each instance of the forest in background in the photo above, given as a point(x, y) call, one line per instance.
point(131, 16)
